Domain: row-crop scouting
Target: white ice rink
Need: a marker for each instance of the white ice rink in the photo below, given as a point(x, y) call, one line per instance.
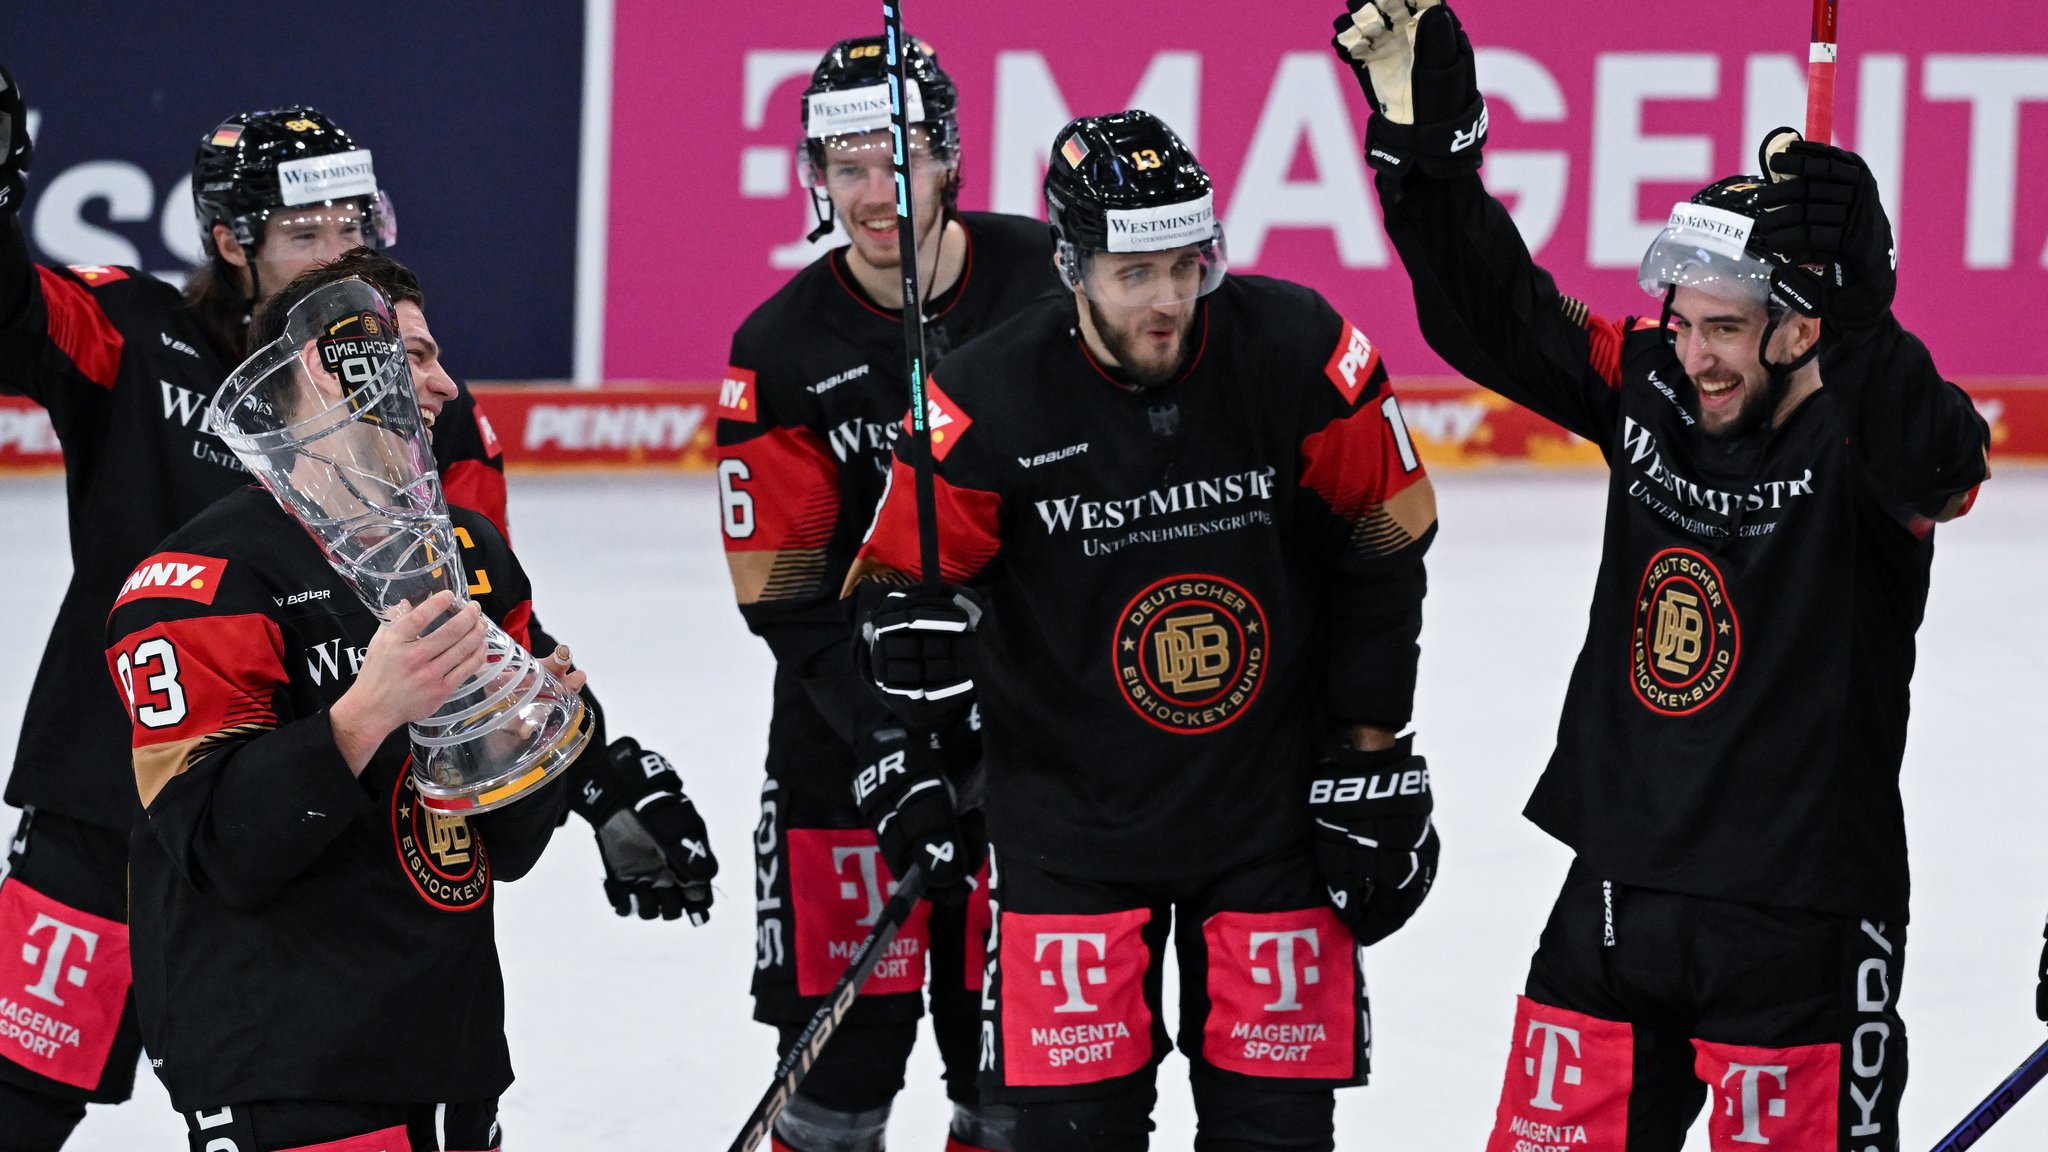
point(630, 1035)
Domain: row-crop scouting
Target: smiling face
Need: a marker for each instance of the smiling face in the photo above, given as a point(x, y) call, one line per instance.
point(858, 176)
point(1717, 339)
point(431, 383)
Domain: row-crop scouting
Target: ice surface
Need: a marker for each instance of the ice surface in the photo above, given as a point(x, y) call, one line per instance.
point(634, 1035)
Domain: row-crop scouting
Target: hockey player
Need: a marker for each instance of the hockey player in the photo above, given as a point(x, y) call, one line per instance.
point(313, 948)
point(1780, 450)
point(1194, 526)
point(810, 407)
point(124, 365)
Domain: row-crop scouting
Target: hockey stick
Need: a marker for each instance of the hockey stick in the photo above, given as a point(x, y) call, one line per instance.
point(796, 1063)
point(913, 301)
point(1820, 74)
point(2030, 1072)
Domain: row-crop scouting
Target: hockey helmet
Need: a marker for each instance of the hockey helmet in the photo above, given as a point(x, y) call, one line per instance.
point(1126, 183)
point(848, 98)
point(255, 164)
point(1708, 243)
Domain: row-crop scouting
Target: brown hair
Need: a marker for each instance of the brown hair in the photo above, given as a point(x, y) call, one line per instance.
point(394, 280)
point(221, 307)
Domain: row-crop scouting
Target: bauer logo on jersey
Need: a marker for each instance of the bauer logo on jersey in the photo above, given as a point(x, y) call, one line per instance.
point(737, 398)
point(441, 853)
point(1190, 653)
point(176, 576)
point(1686, 639)
point(1351, 366)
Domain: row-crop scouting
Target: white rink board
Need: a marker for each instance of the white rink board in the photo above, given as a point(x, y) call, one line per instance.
point(637, 1036)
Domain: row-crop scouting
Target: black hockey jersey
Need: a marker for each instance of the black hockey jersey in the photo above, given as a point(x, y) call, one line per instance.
point(810, 407)
point(119, 362)
point(1189, 588)
point(1736, 720)
point(299, 933)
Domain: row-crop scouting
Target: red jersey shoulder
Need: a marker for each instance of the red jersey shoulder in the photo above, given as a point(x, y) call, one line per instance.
point(1352, 363)
point(175, 576)
point(739, 396)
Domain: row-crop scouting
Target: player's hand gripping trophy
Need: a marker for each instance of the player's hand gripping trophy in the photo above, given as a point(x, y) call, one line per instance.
point(326, 417)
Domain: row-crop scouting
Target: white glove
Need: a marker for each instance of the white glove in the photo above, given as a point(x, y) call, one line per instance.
point(1377, 37)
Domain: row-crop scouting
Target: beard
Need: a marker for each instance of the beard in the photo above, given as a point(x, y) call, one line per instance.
point(1757, 406)
point(1127, 345)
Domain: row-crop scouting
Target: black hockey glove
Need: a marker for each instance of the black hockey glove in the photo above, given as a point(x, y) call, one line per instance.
point(16, 152)
point(904, 796)
point(1375, 843)
point(657, 853)
point(1415, 63)
point(2041, 985)
point(1824, 210)
point(918, 650)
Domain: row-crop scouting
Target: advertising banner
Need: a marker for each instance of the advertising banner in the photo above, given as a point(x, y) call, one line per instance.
point(1603, 115)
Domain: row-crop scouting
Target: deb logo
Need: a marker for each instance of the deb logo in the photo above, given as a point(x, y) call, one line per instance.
point(1351, 365)
point(174, 575)
point(736, 396)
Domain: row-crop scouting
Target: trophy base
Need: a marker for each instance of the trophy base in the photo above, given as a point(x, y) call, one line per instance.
point(531, 768)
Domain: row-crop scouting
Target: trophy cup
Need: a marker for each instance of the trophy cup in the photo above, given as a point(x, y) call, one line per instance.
point(326, 417)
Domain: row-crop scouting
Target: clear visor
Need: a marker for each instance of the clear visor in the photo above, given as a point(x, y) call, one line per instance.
point(326, 417)
point(329, 226)
point(1148, 279)
point(1683, 257)
point(849, 163)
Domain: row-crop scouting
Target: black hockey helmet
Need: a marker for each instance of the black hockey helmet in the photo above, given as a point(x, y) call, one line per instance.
point(848, 94)
point(1127, 183)
point(256, 163)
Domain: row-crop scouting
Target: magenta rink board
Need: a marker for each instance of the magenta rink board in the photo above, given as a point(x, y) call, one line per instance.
point(1603, 114)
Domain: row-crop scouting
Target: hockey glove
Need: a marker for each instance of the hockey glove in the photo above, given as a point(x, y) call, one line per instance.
point(1415, 64)
point(920, 653)
point(904, 796)
point(2041, 986)
point(1375, 843)
point(1824, 210)
point(657, 853)
point(16, 152)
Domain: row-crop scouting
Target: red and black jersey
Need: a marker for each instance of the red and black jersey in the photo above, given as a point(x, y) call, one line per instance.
point(121, 365)
point(1189, 588)
point(299, 933)
point(1736, 720)
point(811, 405)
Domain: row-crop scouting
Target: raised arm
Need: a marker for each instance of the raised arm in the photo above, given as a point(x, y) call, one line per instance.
point(1482, 302)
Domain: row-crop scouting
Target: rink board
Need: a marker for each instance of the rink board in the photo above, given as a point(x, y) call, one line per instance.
point(672, 426)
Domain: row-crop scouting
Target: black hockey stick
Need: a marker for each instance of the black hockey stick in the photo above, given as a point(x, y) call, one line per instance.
point(2030, 1072)
point(913, 301)
point(796, 1063)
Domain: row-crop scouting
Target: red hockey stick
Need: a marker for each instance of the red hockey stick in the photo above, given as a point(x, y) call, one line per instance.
point(1820, 74)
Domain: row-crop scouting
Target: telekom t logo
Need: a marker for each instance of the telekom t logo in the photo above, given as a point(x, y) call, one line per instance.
point(61, 936)
point(868, 883)
point(1547, 1077)
point(1283, 952)
point(1753, 1116)
point(1071, 973)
